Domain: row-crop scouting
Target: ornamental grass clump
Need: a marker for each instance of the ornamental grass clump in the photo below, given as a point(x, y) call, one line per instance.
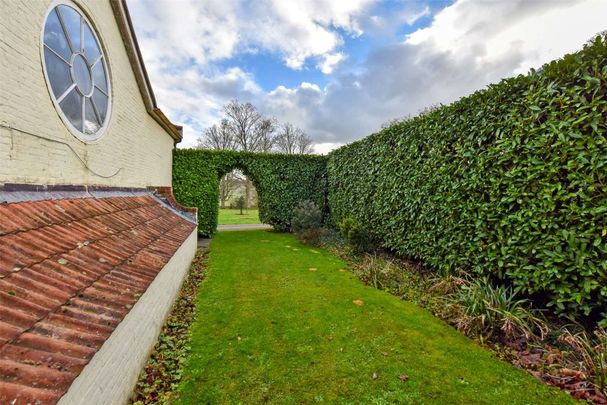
point(490, 311)
point(590, 351)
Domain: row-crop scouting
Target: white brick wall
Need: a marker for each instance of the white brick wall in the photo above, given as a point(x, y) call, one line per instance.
point(111, 375)
point(134, 143)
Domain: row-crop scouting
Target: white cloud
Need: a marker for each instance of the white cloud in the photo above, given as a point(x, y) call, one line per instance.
point(324, 148)
point(468, 45)
point(491, 31)
point(413, 18)
point(179, 31)
point(330, 61)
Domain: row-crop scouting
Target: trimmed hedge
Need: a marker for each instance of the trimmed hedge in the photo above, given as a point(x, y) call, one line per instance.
point(509, 182)
point(282, 181)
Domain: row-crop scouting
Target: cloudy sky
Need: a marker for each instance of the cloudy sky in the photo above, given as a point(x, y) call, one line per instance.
point(340, 68)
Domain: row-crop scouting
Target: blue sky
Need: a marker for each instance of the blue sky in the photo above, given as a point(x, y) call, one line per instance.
point(269, 70)
point(340, 68)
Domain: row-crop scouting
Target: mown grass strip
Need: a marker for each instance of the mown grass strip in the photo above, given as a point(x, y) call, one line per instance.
point(228, 216)
point(269, 330)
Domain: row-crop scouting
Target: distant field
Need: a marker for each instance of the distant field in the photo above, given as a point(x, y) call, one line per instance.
point(233, 217)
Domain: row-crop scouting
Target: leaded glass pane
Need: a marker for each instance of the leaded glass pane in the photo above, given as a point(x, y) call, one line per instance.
point(91, 125)
point(101, 102)
point(54, 36)
point(82, 75)
point(99, 76)
point(91, 48)
point(58, 73)
point(71, 21)
point(72, 108)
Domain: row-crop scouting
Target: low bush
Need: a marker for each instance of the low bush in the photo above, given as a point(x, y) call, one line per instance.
point(355, 236)
point(307, 223)
point(306, 215)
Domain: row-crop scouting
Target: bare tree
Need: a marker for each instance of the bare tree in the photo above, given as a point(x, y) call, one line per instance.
point(266, 137)
point(244, 120)
point(293, 140)
point(304, 144)
point(218, 137)
point(252, 132)
point(228, 184)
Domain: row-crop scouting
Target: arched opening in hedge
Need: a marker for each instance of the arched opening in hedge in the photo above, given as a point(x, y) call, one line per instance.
point(238, 198)
point(282, 181)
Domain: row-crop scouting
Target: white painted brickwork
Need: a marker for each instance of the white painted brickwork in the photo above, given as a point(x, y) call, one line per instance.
point(134, 144)
point(110, 377)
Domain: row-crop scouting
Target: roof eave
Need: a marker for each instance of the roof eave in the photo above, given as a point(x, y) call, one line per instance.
point(125, 26)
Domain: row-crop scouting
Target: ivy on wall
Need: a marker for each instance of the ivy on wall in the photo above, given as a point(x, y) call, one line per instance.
point(509, 182)
point(282, 181)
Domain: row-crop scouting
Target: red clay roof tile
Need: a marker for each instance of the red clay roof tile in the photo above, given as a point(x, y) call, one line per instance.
point(70, 270)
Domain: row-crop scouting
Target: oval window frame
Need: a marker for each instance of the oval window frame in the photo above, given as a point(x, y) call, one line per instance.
point(79, 134)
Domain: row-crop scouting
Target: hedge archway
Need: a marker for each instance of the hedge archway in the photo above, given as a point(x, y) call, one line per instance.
point(282, 181)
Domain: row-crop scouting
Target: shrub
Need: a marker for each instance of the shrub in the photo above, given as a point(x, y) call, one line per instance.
point(355, 236)
point(509, 182)
point(307, 223)
point(306, 215)
point(241, 203)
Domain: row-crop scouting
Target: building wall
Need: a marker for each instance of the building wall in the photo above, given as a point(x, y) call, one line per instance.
point(135, 150)
point(112, 373)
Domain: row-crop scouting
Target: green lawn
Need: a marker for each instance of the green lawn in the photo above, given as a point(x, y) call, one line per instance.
point(232, 217)
point(268, 329)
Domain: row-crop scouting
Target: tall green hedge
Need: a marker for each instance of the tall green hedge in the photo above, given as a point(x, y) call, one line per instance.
point(509, 182)
point(281, 182)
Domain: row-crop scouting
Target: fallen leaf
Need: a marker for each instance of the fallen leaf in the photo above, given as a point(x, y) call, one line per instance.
point(384, 353)
point(16, 269)
point(572, 373)
point(102, 260)
point(403, 377)
point(358, 302)
point(62, 261)
point(312, 269)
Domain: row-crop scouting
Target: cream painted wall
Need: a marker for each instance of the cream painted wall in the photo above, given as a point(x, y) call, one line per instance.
point(135, 150)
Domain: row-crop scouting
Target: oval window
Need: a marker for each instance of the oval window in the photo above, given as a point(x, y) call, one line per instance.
point(76, 71)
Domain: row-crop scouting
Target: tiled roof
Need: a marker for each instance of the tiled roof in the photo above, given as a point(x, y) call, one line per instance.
point(70, 270)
